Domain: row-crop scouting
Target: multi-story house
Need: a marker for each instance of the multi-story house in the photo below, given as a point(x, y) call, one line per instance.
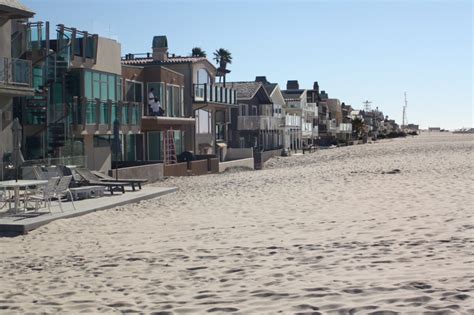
point(291, 122)
point(297, 103)
point(78, 94)
point(167, 88)
point(15, 70)
point(256, 123)
point(203, 100)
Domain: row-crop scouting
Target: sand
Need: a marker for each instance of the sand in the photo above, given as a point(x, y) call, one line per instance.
point(337, 231)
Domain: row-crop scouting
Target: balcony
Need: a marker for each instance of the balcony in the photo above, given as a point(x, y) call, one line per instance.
point(209, 93)
point(258, 123)
point(15, 77)
point(96, 116)
point(345, 128)
point(292, 121)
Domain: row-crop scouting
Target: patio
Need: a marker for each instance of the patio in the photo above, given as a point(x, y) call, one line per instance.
point(23, 222)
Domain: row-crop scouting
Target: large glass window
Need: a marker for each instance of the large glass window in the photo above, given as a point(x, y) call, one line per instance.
point(88, 84)
point(102, 86)
point(203, 122)
point(155, 152)
point(133, 91)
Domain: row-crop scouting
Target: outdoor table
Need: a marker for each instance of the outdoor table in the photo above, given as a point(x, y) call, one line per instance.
point(16, 185)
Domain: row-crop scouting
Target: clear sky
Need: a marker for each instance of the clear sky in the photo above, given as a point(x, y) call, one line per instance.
point(356, 50)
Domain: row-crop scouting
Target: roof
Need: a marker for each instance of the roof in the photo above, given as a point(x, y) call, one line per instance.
point(292, 94)
point(14, 9)
point(171, 60)
point(245, 90)
point(270, 87)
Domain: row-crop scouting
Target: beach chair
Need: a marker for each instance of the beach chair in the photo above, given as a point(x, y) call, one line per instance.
point(90, 179)
point(45, 194)
point(62, 189)
point(131, 181)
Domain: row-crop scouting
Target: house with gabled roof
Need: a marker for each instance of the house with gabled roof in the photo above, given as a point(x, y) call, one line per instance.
point(291, 121)
point(297, 103)
point(256, 123)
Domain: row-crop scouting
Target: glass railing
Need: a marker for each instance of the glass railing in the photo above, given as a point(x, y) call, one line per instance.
point(258, 123)
point(91, 113)
point(15, 72)
point(106, 112)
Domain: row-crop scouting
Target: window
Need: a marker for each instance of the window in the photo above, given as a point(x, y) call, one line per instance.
point(203, 122)
point(133, 91)
point(155, 152)
point(158, 91)
point(102, 86)
point(203, 77)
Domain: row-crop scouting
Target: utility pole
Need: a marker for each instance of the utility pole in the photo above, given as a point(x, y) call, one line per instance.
point(367, 106)
point(404, 118)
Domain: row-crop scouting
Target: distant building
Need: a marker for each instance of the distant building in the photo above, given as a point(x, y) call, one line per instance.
point(434, 129)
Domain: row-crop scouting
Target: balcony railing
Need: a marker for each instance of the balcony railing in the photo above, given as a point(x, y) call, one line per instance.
point(97, 112)
point(15, 72)
point(209, 93)
point(258, 123)
point(345, 128)
point(292, 120)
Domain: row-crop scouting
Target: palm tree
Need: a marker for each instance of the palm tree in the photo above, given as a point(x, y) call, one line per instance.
point(222, 57)
point(198, 52)
point(358, 127)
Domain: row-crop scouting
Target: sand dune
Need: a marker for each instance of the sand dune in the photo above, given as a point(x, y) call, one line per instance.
point(336, 232)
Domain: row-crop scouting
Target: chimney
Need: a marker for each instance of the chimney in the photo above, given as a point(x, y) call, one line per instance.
point(316, 87)
point(160, 48)
point(262, 79)
point(292, 85)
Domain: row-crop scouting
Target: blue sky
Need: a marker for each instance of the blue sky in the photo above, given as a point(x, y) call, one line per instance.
point(356, 50)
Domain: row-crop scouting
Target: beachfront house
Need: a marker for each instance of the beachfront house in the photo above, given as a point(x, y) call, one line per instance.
point(291, 122)
point(256, 123)
point(209, 104)
point(78, 95)
point(163, 88)
point(15, 69)
point(297, 103)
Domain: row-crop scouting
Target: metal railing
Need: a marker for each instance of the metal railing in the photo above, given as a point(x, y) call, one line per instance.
point(203, 93)
point(258, 123)
point(15, 72)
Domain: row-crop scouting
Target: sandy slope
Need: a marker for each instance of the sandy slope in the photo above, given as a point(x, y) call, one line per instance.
point(329, 232)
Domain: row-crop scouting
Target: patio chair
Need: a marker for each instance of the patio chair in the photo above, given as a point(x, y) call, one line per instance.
point(131, 181)
point(45, 194)
point(62, 189)
point(4, 198)
point(91, 179)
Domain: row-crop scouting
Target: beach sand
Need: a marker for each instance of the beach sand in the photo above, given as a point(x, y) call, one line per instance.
point(337, 231)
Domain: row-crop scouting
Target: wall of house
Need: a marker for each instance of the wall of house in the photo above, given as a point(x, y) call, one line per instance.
point(5, 38)
point(108, 56)
point(99, 159)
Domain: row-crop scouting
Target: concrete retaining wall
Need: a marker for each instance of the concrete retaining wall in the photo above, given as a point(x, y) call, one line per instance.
point(238, 154)
point(248, 163)
point(152, 172)
point(199, 167)
point(261, 157)
point(178, 169)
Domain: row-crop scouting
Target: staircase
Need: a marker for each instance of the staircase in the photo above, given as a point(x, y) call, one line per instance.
point(54, 66)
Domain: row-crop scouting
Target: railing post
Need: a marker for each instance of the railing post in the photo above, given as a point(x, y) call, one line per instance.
point(84, 112)
point(205, 92)
point(97, 113)
point(109, 110)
